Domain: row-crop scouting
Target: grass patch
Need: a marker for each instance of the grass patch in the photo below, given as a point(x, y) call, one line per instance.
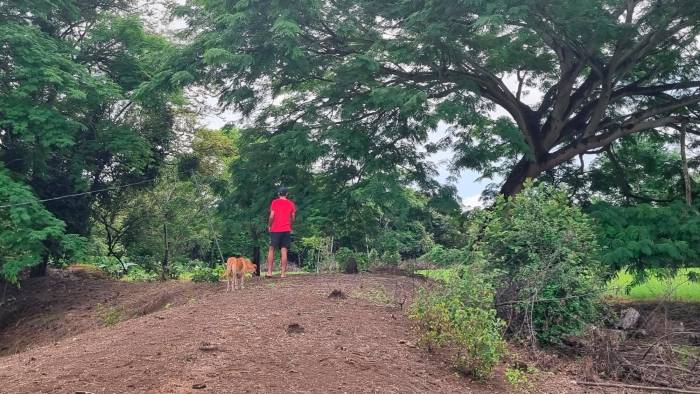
point(377, 296)
point(437, 273)
point(678, 288)
point(109, 315)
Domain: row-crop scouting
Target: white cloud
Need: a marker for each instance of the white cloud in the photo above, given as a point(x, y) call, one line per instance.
point(472, 202)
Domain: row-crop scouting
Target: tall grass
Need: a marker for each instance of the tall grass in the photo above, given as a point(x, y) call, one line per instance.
point(678, 288)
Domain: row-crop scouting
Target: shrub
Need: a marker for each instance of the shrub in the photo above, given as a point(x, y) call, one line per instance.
point(206, 274)
point(519, 378)
point(441, 256)
point(111, 265)
point(138, 274)
point(344, 255)
point(459, 316)
point(391, 259)
point(545, 252)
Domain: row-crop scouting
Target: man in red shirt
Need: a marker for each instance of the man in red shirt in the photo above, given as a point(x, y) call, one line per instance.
point(282, 215)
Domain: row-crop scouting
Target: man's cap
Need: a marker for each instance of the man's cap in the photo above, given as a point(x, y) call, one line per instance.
point(282, 190)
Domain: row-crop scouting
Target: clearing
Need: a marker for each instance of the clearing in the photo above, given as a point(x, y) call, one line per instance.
point(74, 331)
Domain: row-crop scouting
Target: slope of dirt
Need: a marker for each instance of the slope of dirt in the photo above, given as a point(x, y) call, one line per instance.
point(68, 302)
point(274, 336)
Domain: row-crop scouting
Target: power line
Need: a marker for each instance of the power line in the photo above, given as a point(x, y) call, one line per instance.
point(78, 194)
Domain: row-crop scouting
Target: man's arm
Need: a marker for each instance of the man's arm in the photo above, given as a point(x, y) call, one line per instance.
point(269, 220)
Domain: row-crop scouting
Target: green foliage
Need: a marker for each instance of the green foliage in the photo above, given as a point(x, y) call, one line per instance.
point(344, 255)
point(139, 274)
point(442, 256)
point(112, 266)
point(372, 78)
point(659, 285)
point(460, 316)
point(638, 169)
point(644, 236)
point(70, 118)
point(545, 253)
point(206, 274)
point(25, 229)
point(520, 378)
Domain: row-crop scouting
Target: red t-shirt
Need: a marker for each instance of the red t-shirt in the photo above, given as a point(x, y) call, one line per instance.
point(283, 209)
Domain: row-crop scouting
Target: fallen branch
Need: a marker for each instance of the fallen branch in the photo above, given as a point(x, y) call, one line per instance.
point(632, 386)
point(670, 366)
point(658, 340)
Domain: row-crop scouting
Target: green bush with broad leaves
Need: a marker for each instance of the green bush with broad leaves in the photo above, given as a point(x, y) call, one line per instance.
point(459, 316)
point(545, 252)
point(206, 274)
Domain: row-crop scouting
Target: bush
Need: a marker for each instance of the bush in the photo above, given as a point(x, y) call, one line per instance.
point(459, 316)
point(138, 274)
point(441, 256)
point(344, 255)
point(391, 259)
point(111, 265)
point(545, 251)
point(206, 274)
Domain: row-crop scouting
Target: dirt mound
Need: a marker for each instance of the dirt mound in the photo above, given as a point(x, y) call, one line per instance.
point(69, 302)
point(274, 336)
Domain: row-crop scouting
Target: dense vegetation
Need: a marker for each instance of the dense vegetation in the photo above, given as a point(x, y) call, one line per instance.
point(104, 159)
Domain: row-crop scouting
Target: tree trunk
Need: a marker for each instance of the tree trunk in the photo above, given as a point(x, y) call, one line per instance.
point(256, 249)
point(164, 264)
point(518, 175)
point(686, 173)
point(40, 269)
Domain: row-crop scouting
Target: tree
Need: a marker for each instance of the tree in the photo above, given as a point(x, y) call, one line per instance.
point(641, 237)
point(171, 223)
point(391, 70)
point(72, 118)
point(24, 228)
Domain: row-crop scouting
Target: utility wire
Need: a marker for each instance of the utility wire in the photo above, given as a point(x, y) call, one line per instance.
point(78, 194)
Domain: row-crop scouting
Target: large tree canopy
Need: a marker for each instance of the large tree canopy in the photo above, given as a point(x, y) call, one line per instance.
point(391, 70)
point(71, 121)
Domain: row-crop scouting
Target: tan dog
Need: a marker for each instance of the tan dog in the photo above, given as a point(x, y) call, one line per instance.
point(237, 267)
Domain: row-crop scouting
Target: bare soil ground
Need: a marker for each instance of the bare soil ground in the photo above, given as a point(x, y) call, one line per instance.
point(76, 332)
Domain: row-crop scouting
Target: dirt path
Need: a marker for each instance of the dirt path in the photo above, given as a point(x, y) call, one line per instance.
point(242, 342)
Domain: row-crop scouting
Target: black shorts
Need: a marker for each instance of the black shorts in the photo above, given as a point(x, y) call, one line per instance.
point(280, 240)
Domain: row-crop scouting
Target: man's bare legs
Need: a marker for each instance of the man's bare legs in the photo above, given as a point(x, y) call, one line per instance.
point(271, 259)
point(283, 261)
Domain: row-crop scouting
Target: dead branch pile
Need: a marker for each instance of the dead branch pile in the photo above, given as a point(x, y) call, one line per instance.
point(655, 350)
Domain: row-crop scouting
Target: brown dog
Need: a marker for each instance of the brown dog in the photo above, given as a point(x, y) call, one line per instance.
point(237, 267)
